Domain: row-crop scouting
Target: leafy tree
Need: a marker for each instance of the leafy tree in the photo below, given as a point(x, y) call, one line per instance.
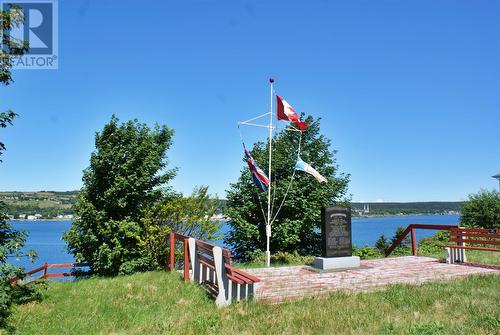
point(191, 215)
point(124, 177)
point(296, 226)
point(11, 46)
point(6, 119)
point(482, 210)
point(11, 240)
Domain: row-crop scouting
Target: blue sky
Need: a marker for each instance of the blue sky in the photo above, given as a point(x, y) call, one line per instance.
point(408, 91)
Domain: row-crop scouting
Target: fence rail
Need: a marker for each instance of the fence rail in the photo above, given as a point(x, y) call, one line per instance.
point(171, 266)
point(411, 230)
point(45, 268)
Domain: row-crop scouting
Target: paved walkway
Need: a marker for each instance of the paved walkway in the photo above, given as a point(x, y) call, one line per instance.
point(284, 283)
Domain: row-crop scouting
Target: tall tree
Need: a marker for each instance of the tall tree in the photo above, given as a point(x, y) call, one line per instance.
point(11, 240)
point(295, 227)
point(126, 174)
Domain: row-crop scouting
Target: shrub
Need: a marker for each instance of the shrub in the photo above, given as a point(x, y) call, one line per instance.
point(366, 252)
point(482, 210)
point(282, 257)
point(434, 245)
point(382, 244)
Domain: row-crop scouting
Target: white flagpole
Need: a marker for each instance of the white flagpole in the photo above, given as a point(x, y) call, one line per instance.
point(268, 223)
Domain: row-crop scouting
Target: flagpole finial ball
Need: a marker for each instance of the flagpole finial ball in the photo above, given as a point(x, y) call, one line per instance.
point(271, 80)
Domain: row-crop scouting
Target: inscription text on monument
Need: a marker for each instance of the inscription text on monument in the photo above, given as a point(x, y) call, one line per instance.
point(336, 232)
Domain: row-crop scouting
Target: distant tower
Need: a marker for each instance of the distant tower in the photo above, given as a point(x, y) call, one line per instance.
point(367, 208)
point(497, 176)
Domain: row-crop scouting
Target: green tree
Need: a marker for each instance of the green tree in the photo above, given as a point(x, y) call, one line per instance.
point(482, 210)
point(125, 176)
point(382, 243)
point(191, 215)
point(11, 240)
point(296, 226)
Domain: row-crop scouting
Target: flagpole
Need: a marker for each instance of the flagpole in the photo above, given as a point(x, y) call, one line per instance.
point(268, 223)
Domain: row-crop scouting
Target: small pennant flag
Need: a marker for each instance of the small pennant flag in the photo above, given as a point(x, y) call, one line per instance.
point(286, 112)
point(303, 166)
point(259, 177)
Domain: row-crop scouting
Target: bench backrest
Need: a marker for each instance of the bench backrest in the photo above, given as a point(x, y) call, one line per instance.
point(481, 236)
point(206, 250)
point(205, 254)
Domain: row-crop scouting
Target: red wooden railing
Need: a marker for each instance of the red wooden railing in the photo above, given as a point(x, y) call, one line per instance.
point(45, 268)
point(411, 230)
point(184, 239)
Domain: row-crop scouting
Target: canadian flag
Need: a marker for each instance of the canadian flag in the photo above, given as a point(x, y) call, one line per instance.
point(286, 112)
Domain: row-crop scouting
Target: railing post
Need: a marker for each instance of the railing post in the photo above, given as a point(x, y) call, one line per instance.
point(172, 251)
point(413, 242)
point(45, 270)
point(186, 260)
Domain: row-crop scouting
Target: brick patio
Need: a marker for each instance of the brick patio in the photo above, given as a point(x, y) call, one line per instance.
point(284, 283)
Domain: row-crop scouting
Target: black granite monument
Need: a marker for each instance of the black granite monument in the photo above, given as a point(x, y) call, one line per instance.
point(336, 232)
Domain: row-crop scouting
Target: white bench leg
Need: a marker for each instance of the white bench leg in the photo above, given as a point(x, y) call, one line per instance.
point(449, 256)
point(194, 261)
point(222, 280)
point(461, 255)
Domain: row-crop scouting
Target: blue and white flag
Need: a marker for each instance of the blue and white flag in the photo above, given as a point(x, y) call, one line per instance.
point(303, 166)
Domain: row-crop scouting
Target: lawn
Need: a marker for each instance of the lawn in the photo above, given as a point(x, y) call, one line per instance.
point(160, 303)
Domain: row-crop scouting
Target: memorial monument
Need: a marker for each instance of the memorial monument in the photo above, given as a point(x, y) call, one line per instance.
point(336, 239)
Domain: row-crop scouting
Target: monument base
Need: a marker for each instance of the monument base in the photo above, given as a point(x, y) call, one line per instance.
point(329, 263)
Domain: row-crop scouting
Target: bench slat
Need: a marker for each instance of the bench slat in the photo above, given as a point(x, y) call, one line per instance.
point(468, 241)
point(236, 279)
point(247, 275)
point(208, 262)
point(472, 248)
point(478, 230)
point(465, 234)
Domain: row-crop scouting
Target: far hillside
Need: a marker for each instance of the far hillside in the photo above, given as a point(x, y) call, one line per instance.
point(53, 204)
point(40, 205)
point(406, 208)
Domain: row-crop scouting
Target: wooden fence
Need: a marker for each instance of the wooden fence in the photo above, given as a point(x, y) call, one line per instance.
point(46, 274)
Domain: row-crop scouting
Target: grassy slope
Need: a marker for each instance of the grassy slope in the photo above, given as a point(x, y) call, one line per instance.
point(160, 303)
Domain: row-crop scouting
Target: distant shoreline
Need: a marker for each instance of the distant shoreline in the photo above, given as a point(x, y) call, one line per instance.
point(353, 217)
point(400, 215)
point(26, 220)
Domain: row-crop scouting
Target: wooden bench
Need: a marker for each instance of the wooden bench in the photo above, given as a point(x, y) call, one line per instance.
point(213, 267)
point(471, 239)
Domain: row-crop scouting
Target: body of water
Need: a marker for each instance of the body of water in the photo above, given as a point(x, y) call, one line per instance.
point(366, 231)
point(45, 237)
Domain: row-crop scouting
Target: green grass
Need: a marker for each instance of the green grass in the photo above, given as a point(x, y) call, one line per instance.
point(160, 303)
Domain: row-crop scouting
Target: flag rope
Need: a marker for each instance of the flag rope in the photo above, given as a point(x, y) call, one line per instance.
point(289, 184)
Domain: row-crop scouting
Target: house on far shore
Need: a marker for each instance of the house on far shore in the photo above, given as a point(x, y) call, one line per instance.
point(31, 217)
point(21, 216)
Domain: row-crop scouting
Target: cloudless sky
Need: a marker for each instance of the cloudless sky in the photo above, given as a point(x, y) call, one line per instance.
point(408, 91)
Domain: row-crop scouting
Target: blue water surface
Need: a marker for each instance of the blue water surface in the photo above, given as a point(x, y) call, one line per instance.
point(45, 237)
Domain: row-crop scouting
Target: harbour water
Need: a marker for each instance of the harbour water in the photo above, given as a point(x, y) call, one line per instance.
point(45, 237)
